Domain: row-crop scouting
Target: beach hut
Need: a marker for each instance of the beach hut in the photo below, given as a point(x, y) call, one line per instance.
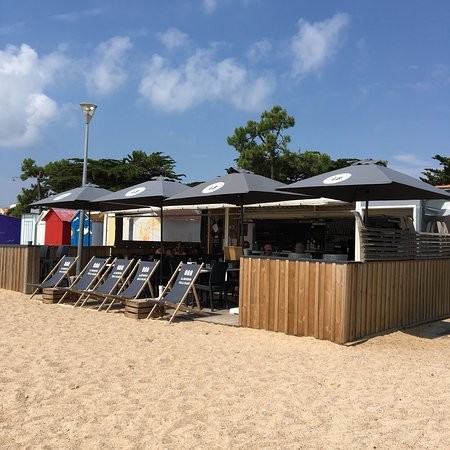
point(58, 226)
point(92, 230)
point(9, 230)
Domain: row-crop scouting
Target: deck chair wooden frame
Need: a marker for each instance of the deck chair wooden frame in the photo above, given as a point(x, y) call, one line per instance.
point(109, 282)
point(138, 279)
point(87, 278)
point(57, 275)
point(174, 294)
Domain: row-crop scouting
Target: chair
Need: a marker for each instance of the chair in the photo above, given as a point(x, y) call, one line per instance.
point(57, 275)
point(62, 250)
point(177, 289)
point(87, 278)
point(232, 280)
point(138, 279)
point(44, 261)
point(109, 282)
point(216, 283)
point(165, 266)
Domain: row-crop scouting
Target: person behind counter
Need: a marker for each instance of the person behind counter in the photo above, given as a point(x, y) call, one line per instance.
point(267, 249)
point(299, 247)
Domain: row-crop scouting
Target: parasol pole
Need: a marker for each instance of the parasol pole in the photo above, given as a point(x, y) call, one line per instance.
point(366, 210)
point(242, 220)
point(161, 248)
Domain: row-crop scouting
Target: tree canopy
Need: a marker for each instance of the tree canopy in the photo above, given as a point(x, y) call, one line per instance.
point(438, 177)
point(112, 174)
point(263, 149)
point(261, 144)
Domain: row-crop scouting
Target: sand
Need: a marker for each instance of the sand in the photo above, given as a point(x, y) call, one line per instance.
point(81, 379)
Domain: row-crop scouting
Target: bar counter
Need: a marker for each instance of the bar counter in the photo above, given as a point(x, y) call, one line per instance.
point(341, 301)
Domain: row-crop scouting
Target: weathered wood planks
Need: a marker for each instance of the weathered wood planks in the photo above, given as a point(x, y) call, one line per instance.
point(342, 302)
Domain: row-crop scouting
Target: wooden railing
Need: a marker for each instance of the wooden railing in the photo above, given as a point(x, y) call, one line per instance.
point(389, 244)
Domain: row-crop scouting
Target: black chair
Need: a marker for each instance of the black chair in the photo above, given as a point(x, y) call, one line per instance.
point(232, 284)
point(45, 263)
point(165, 267)
point(216, 283)
point(62, 250)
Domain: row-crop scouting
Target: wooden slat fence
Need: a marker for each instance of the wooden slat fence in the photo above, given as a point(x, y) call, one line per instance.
point(19, 265)
point(342, 302)
point(381, 244)
point(389, 244)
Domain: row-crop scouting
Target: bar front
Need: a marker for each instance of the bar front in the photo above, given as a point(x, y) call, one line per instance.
point(348, 301)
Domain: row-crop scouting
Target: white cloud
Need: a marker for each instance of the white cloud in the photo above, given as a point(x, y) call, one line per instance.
point(411, 164)
point(76, 16)
point(314, 44)
point(210, 5)
point(438, 76)
point(173, 38)
point(105, 73)
point(202, 79)
point(259, 50)
point(26, 109)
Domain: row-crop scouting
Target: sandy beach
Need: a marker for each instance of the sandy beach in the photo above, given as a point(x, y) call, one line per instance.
point(82, 379)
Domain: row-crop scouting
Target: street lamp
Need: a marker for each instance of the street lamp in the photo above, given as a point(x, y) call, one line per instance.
point(88, 110)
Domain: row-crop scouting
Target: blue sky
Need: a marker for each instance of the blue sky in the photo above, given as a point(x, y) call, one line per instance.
point(363, 78)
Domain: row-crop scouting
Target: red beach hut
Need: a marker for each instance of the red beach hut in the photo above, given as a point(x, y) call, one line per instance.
point(58, 226)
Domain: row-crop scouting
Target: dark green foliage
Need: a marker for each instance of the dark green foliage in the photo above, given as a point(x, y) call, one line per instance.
point(112, 174)
point(261, 145)
point(438, 177)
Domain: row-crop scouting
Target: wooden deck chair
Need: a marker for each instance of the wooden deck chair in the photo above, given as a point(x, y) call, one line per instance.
point(109, 283)
point(59, 274)
point(176, 291)
point(139, 278)
point(87, 278)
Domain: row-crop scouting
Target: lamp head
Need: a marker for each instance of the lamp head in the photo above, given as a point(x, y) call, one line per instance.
point(88, 110)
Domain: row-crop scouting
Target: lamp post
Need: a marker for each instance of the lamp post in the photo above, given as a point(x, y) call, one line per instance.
point(88, 110)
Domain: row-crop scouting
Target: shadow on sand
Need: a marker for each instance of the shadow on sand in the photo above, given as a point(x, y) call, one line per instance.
point(431, 330)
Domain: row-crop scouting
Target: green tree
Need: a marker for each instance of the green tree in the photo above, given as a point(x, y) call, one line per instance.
point(37, 189)
point(262, 144)
point(113, 174)
point(438, 177)
point(143, 167)
point(299, 165)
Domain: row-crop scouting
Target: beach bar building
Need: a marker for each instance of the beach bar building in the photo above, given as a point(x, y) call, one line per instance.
point(399, 276)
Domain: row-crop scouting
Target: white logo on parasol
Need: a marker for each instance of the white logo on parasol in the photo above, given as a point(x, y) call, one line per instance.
point(337, 178)
point(60, 197)
point(134, 192)
point(213, 187)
